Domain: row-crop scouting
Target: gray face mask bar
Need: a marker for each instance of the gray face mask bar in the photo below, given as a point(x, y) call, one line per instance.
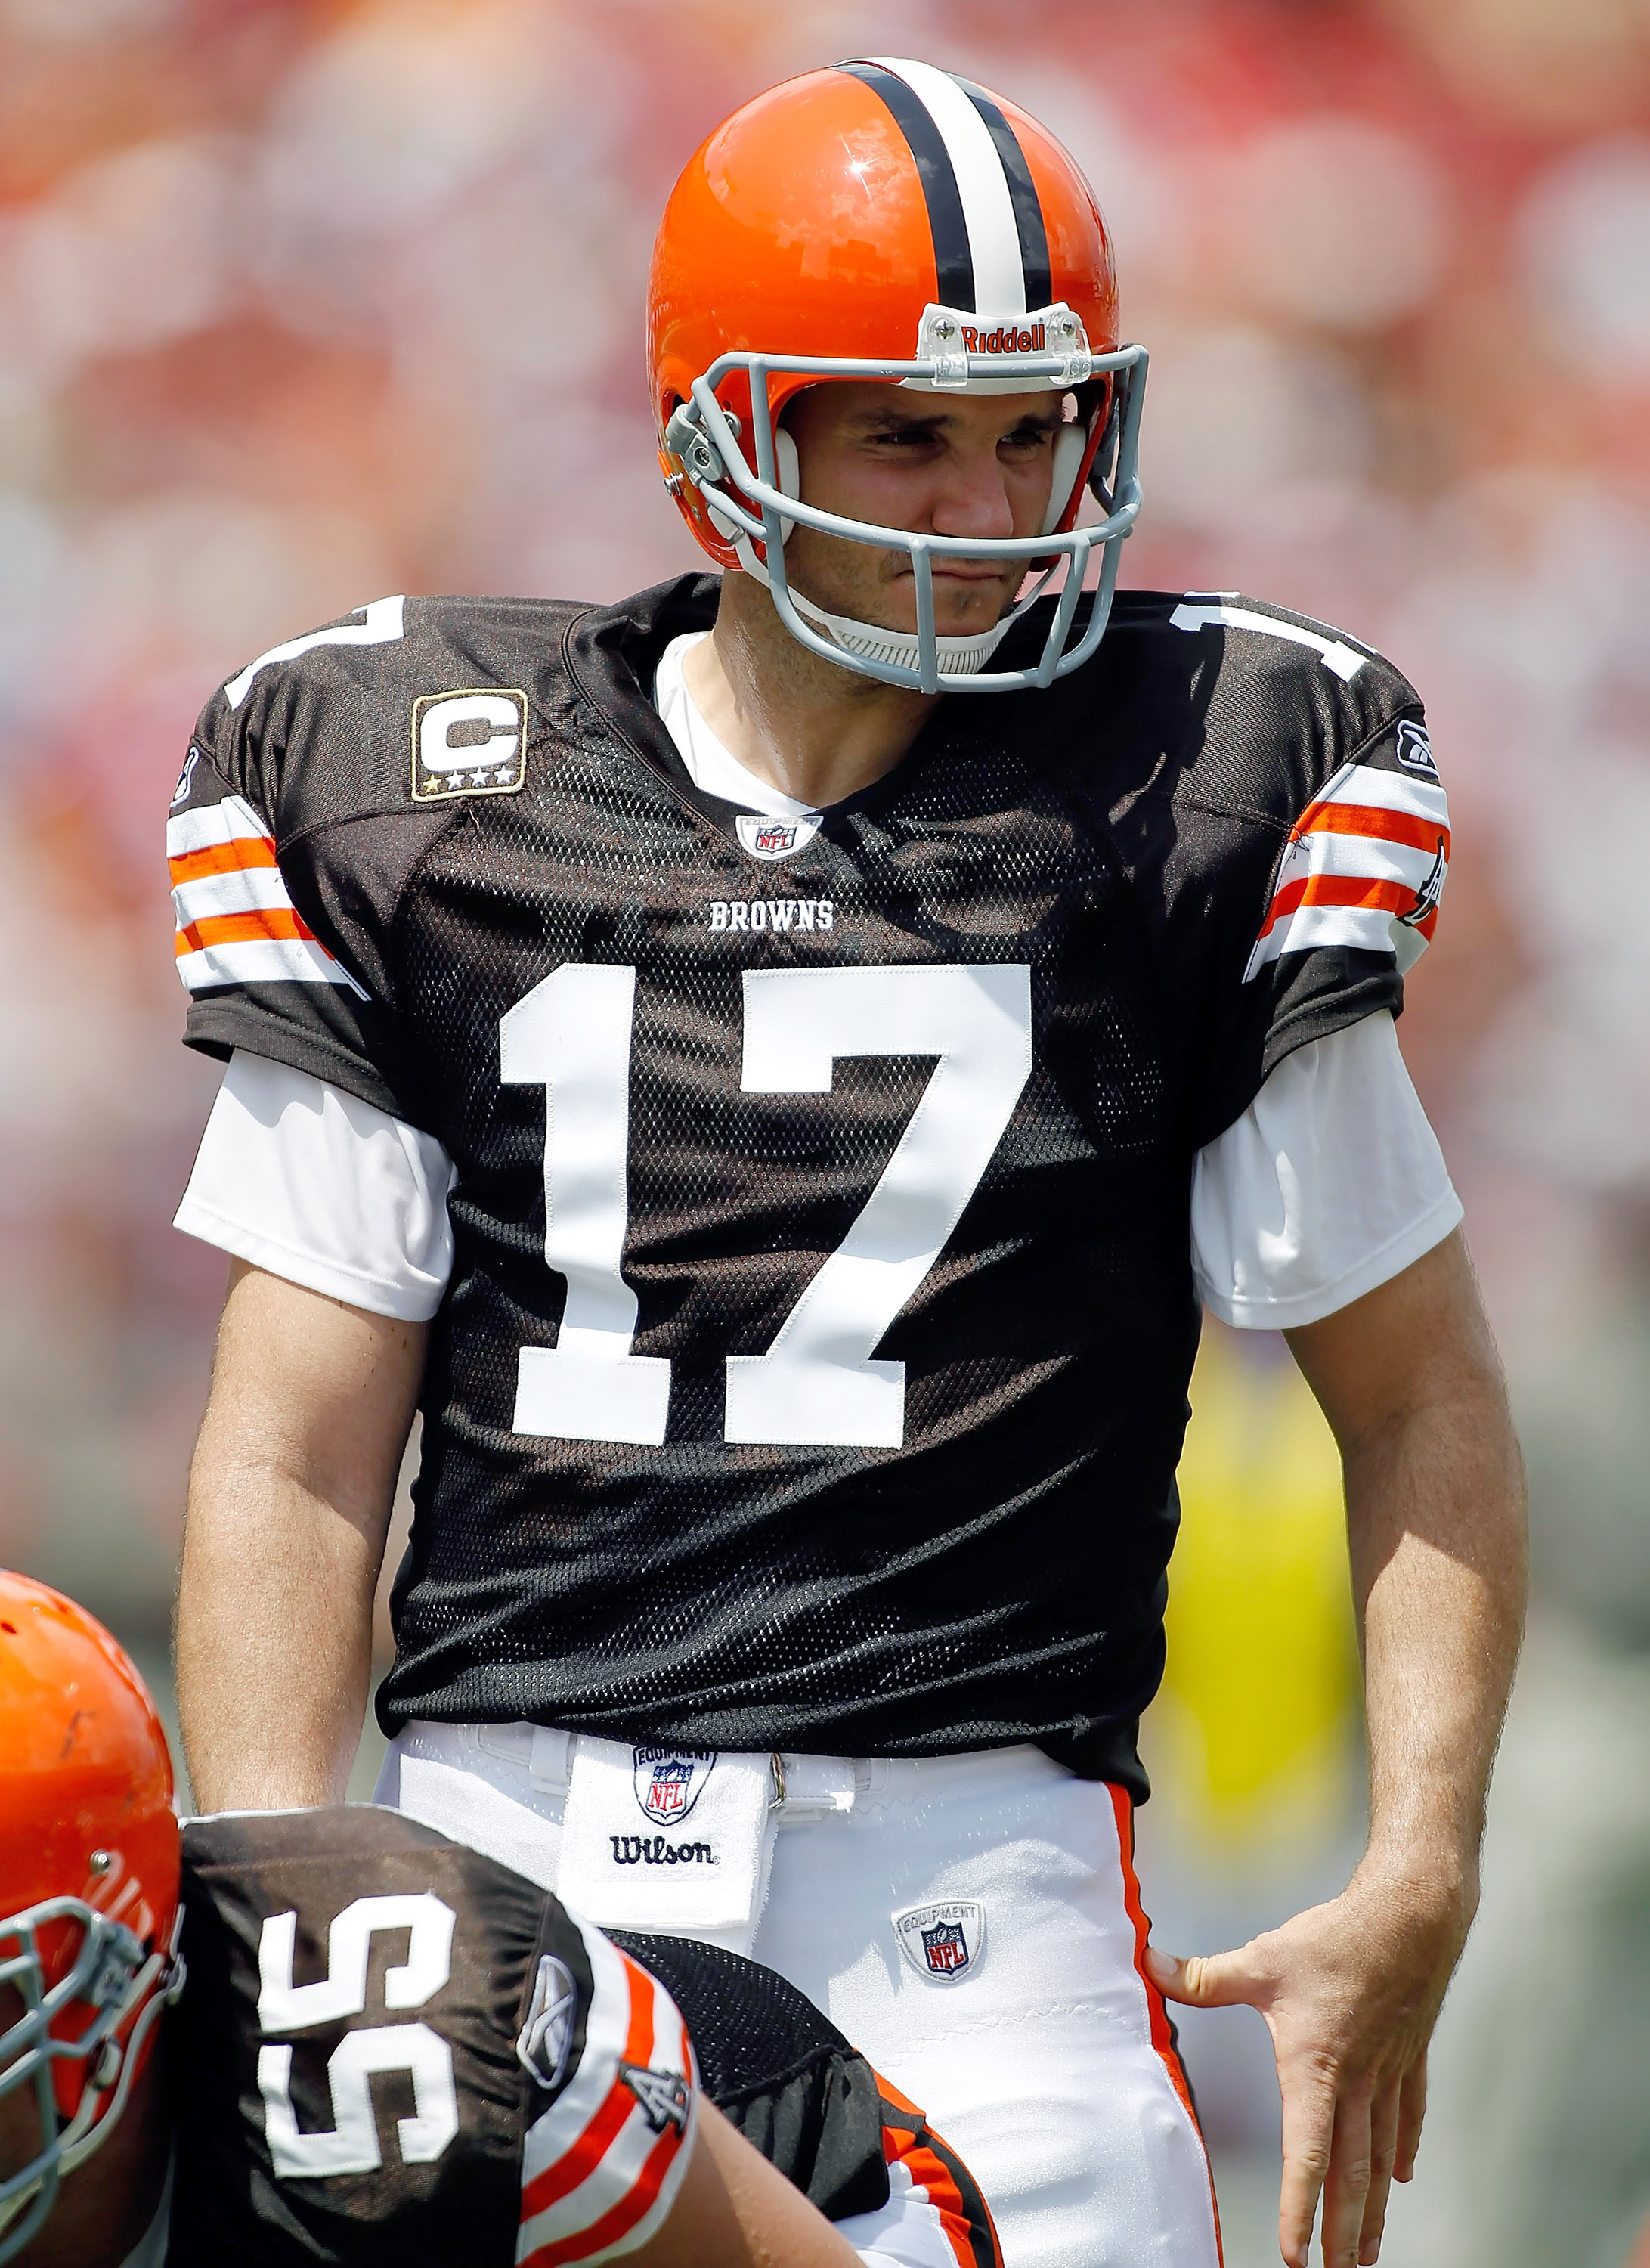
point(111, 1976)
point(705, 437)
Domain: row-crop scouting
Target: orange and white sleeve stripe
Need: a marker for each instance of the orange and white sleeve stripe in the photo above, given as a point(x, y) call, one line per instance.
point(237, 924)
point(1364, 866)
point(935, 2212)
point(601, 2169)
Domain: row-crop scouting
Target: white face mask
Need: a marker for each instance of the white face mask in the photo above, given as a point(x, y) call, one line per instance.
point(764, 506)
point(870, 643)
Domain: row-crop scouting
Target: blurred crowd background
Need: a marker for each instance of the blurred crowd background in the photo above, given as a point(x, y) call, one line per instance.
point(301, 304)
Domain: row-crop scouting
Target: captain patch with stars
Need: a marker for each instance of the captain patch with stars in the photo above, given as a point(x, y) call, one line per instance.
point(469, 743)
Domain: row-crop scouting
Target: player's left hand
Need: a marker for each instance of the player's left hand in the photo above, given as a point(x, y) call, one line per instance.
point(1351, 1992)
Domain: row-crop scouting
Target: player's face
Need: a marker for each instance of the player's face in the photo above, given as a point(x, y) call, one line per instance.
point(976, 465)
point(19, 2114)
point(21, 2136)
point(101, 2208)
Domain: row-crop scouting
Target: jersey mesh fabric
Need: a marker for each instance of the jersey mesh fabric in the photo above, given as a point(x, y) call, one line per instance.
point(779, 2069)
point(854, 1595)
point(999, 1576)
point(1331, 1183)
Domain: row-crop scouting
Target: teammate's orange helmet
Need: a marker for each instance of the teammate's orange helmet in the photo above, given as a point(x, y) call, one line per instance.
point(887, 220)
point(88, 1883)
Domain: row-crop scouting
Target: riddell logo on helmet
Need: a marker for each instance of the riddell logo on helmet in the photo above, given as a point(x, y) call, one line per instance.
point(1027, 338)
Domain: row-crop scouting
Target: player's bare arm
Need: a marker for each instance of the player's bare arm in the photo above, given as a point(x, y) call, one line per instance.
point(289, 1498)
point(736, 2211)
point(1410, 1380)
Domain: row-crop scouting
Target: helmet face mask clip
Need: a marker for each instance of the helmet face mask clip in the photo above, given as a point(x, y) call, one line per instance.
point(968, 353)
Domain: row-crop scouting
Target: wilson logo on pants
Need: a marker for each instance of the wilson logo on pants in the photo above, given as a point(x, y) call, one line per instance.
point(653, 1851)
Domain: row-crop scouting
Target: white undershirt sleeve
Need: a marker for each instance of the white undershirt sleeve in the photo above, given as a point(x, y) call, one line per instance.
point(321, 1188)
point(1330, 1183)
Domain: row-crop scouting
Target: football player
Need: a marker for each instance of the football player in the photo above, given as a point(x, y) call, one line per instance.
point(213, 2036)
point(769, 1068)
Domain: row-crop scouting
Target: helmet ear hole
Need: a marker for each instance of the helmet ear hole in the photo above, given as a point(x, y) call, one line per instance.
point(789, 468)
point(1071, 444)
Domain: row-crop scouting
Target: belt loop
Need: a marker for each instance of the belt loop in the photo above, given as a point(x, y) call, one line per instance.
point(812, 1787)
point(549, 1760)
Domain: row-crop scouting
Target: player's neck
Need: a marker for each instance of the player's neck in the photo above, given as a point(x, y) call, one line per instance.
point(816, 732)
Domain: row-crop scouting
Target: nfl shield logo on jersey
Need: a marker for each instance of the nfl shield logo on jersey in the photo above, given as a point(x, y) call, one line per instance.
point(774, 838)
point(944, 1941)
point(670, 1781)
point(944, 1945)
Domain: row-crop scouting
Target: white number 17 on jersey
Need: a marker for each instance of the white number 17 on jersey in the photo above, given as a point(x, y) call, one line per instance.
point(817, 1384)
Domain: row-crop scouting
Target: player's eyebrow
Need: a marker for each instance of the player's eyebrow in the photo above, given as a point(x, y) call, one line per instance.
point(871, 423)
point(1043, 421)
point(895, 420)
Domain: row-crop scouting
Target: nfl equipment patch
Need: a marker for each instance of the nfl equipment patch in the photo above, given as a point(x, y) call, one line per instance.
point(774, 838)
point(473, 742)
point(943, 1940)
point(670, 1781)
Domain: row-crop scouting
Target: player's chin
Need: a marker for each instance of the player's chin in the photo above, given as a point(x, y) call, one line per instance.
point(964, 606)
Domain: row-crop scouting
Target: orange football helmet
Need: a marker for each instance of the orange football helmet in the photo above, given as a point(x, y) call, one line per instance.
point(88, 1884)
point(887, 220)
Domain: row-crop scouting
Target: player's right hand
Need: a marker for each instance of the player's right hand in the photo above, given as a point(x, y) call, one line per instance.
point(1351, 1990)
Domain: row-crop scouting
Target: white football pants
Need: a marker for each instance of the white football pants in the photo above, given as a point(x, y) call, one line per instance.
point(1046, 2063)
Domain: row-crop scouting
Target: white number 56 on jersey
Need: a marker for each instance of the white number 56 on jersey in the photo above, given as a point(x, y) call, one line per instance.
point(817, 1383)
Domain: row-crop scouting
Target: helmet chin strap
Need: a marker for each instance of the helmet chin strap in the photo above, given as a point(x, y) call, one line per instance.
point(958, 657)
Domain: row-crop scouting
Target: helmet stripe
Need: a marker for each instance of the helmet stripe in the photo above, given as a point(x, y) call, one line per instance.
point(1028, 222)
point(983, 185)
point(954, 256)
